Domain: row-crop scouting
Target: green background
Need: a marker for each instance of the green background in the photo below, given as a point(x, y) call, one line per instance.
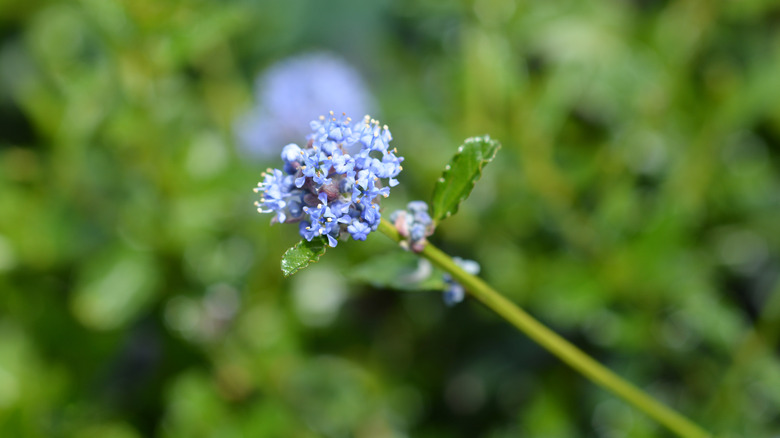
point(634, 208)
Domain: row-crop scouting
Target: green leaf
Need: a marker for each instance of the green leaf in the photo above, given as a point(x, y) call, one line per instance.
point(398, 270)
point(461, 174)
point(302, 254)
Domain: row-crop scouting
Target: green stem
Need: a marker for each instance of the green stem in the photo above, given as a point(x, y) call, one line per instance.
point(555, 344)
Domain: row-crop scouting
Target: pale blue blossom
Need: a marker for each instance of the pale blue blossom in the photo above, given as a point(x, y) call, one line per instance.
point(296, 90)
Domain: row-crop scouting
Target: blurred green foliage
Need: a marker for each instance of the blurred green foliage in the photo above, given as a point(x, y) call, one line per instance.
point(634, 207)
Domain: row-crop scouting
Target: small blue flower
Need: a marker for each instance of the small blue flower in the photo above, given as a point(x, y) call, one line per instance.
point(275, 192)
point(358, 230)
point(423, 217)
point(392, 167)
point(371, 215)
point(364, 177)
point(343, 164)
point(455, 291)
point(454, 294)
point(469, 266)
point(332, 129)
point(372, 136)
point(292, 153)
point(417, 232)
point(374, 190)
point(317, 166)
point(306, 230)
point(417, 206)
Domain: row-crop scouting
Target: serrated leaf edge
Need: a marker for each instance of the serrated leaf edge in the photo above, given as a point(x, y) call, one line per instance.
point(294, 247)
point(485, 138)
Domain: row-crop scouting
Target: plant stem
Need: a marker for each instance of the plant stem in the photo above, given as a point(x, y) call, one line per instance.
point(555, 344)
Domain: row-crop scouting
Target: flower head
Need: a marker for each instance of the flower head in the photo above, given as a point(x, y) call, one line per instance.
point(327, 189)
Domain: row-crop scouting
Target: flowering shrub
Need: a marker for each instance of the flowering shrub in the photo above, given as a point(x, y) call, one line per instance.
point(332, 184)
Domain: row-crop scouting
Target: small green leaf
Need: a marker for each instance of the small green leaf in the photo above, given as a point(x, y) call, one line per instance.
point(398, 270)
point(461, 174)
point(302, 254)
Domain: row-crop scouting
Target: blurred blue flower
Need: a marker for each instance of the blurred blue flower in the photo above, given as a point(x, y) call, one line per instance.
point(296, 90)
point(455, 291)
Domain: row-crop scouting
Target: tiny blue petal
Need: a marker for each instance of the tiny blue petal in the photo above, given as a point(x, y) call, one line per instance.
point(454, 294)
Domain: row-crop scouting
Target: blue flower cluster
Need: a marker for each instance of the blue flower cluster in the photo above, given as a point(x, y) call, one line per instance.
point(414, 224)
point(331, 185)
point(455, 291)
